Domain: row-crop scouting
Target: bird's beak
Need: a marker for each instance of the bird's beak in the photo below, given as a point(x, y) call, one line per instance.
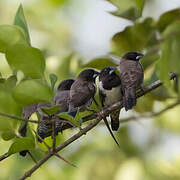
point(95, 75)
point(140, 56)
point(111, 72)
point(116, 70)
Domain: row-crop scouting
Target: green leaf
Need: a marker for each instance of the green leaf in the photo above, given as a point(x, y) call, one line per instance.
point(66, 116)
point(49, 141)
point(21, 144)
point(10, 107)
point(170, 47)
point(27, 59)
point(168, 18)
point(100, 63)
point(134, 38)
point(128, 9)
point(151, 57)
point(11, 83)
point(10, 35)
point(20, 21)
point(31, 91)
point(53, 79)
point(8, 135)
point(52, 110)
point(78, 118)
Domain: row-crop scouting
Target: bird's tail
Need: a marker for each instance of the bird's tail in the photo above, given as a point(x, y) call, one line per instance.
point(109, 129)
point(130, 98)
point(115, 120)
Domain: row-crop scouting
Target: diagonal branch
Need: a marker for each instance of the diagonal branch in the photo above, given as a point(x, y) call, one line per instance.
point(98, 117)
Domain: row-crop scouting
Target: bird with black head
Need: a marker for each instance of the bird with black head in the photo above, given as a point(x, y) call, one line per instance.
point(132, 76)
point(110, 93)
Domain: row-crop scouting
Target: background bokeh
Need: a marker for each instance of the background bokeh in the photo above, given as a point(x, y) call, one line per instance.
point(71, 33)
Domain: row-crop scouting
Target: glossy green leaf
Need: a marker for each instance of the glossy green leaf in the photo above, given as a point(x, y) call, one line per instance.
point(27, 59)
point(49, 141)
point(10, 107)
point(150, 58)
point(21, 144)
point(10, 35)
point(8, 135)
point(53, 79)
point(133, 38)
point(170, 47)
point(11, 83)
point(167, 18)
point(128, 9)
point(51, 111)
point(78, 118)
point(66, 116)
point(29, 92)
point(20, 20)
point(99, 63)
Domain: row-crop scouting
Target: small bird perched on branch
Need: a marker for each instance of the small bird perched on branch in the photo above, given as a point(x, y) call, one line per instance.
point(110, 93)
point(82, 91)
point(132, 76)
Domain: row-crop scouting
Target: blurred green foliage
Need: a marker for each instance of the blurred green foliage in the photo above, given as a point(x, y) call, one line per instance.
point(96, 155)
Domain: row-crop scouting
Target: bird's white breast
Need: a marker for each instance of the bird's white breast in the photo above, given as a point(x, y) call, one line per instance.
point(112, 96)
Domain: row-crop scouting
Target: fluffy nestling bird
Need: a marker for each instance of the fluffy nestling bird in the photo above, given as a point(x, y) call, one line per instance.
point(82, 91)
point(132, 76)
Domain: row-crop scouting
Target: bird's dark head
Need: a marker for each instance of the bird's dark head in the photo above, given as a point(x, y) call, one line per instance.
point(134, 56)
point(107, 71)
point(88, 75)
point(65, 85)
point(109, 78)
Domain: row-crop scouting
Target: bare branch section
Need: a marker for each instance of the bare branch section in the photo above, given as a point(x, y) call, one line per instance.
point(4, 156)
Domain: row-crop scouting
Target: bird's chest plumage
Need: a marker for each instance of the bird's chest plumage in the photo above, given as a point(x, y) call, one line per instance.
point(111, 96)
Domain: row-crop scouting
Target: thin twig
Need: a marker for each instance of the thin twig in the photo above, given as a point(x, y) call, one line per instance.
point(56, 154)
point(32, 157)
point(17, 118)
point(54, 134)
point(35, 167)
point(68, 162)
point(48, 147)
point(4, 156)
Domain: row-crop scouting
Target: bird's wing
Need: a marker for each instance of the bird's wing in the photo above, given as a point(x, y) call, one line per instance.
point(81, 93)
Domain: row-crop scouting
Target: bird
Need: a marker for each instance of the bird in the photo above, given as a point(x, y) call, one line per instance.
point(132, 76)
point(110, 93)
point(62, 98)
point(43, 129)
point(26, 113)
point(82, 91)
